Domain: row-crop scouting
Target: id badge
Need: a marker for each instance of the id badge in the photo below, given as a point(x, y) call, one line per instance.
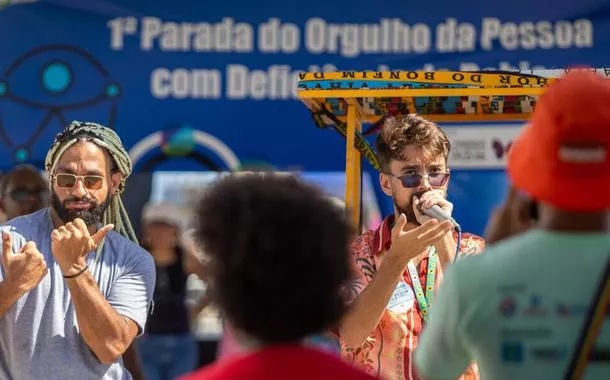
point(402, 299)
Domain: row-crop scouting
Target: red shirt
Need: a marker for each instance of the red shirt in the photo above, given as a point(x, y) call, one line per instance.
point(388, 351)
point(280, 363)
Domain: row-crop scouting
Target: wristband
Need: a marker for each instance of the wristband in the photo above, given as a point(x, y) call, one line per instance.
point(79, 273)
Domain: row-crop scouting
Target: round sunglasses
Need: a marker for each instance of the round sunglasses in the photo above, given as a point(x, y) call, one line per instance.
point(410, 180)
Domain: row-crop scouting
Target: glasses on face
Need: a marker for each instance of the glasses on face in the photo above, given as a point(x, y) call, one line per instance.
point(67, 180)
point(25, 194)
point(435, 179)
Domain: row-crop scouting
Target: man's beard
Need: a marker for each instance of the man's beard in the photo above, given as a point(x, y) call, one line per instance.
point(90, 216)
point(407, 208)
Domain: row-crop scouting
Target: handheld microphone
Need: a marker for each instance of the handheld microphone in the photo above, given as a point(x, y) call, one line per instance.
point(438, 213)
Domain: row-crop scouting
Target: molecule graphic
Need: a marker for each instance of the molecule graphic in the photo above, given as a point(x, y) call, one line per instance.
point(50, 86)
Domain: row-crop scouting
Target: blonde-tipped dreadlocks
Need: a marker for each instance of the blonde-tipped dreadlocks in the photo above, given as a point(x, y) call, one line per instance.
point(107, 139)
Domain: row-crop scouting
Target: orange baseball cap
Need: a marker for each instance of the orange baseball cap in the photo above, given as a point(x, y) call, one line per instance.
point(562, 157)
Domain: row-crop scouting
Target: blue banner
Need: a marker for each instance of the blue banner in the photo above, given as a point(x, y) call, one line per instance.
point(196, 85)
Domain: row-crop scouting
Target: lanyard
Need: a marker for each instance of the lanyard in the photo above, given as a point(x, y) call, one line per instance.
point(424, 302)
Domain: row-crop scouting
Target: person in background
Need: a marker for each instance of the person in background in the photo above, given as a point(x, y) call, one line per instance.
point(517, 214)
point(520, 308)
point(23, 191)
point(168, 349)
point(328, 341)
point(279, 260)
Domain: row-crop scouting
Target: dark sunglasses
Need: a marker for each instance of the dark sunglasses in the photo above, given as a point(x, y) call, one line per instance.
point(411, 180)
point(25, 194)
point(91, 182)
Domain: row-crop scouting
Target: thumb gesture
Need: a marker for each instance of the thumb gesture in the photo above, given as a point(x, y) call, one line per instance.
point(97, 238)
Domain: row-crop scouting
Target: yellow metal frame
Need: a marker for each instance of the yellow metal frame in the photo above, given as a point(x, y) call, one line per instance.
point(353, 161)
point(314, 97)
point(404, 92)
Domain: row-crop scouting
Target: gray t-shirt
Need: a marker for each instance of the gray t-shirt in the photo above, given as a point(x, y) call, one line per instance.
point(39, 335)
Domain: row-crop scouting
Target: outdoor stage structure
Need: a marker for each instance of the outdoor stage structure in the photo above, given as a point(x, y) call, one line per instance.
point(349, 101)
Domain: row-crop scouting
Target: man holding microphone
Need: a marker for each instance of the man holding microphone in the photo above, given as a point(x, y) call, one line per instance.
point(399, 266)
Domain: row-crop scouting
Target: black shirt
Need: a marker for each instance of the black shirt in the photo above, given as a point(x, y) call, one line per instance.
point(170, 314)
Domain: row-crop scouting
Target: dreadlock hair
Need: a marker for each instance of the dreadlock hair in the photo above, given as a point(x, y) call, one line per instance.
point(106, 139)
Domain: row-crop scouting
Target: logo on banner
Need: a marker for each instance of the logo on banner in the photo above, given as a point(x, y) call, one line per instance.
point(549, 353)
point(501, 148)
point(483, 147)
point(403, 298)
point(512, 352)
point(508, 306)
point(535, 308)
point(564, 310)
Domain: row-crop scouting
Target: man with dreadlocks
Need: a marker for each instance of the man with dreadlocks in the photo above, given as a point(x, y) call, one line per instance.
point(75, 287)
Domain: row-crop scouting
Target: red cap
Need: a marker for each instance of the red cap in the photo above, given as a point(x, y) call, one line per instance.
point(562, 157)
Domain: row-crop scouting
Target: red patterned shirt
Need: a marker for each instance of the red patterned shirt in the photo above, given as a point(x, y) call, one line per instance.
point(388, 351)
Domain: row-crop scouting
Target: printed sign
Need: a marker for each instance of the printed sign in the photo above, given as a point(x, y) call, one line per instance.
point(481, 147)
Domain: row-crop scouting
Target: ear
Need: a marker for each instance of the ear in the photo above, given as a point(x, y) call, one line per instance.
point(115, 182)
point(386, 184)
point(2, 205)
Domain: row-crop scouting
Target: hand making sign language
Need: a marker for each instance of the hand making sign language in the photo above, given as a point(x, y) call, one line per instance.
point(24, 269)
point(93, 313)
point(71, 243)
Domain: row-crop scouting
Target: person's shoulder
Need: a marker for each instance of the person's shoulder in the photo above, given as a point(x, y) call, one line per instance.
point(119, 240)
point(319, 364)
point(239, 366)
point(128, 250)
point(363, 244)
point(302, 363)
point(507, 248)
point(27, 226)
point(310, 364)
point(470, 262)
point(209, 372)
point(475, 280)
point(336, 368)
point(498, 256)
point(33, 219)
point(361, 255)
point(471, 244)
point(365, 238)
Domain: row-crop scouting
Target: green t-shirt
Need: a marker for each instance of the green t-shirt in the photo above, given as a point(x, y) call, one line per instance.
point(517, 309)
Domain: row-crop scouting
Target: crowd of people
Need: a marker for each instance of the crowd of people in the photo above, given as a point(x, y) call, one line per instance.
point(302, 294)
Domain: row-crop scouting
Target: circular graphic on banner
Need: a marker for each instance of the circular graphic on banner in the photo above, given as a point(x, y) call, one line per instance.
point(56, 77)
point(54, 85)
point(184, 141)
